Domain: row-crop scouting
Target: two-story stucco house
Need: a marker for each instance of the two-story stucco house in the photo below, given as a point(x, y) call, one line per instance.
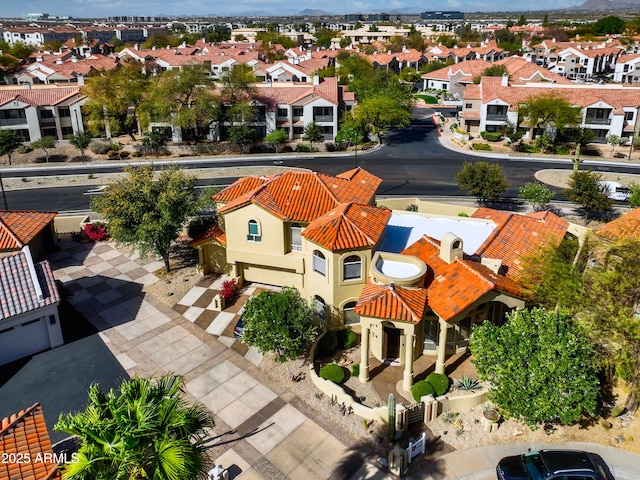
point(411, 283)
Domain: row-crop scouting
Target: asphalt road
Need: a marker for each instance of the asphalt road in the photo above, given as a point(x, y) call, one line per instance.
point(411, 162)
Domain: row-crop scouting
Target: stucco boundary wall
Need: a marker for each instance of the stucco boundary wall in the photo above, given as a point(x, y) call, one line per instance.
point(424, 206)
point(470, 400)
point(380, 414)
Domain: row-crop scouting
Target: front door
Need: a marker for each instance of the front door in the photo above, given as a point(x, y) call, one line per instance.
point(392, 336)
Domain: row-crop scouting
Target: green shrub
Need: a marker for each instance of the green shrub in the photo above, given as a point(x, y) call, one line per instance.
point(482, 146)
point(467, 384)
point(355, 370)
point(463, 214)
point(332, 372)
point(491, 136)
point(562, 150)
point(420, 389)
point(617, 411)
point(303, 147)
point(328, 344)
point(439, 382)
point(346, 338)
point(136, 154)
point(22, 149)
point(99, 148)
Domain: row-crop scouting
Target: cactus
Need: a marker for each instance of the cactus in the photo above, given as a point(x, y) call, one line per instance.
point(392, 417)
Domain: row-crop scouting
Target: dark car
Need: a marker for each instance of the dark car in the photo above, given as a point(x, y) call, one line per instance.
point(554, 465)
point(238, 330)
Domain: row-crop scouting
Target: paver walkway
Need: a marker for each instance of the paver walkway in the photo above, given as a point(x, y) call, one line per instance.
point(261, 430)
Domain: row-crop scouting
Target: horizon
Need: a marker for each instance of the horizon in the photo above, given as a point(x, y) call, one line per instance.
point(92, 9)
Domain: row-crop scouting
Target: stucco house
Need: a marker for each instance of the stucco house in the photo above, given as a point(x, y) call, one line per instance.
point(27, 227)
point(411, 283)
point(29, 298)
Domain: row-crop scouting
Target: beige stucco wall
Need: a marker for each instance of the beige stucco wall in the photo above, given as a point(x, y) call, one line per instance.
point(401, 204)
point(377, 337)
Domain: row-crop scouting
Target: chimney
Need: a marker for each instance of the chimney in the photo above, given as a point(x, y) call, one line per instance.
point(74, 59)
point(505, 80)
point(137, 46)
point(316, 79)
point(59, 61)
point(450, 247)
point(80, 80)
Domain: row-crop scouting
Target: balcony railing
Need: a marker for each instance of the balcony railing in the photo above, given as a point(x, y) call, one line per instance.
point(12, 121)
point(496, 117)
point(323, 118)
point(597, 121)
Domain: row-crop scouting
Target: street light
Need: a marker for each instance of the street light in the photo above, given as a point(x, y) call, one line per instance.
point(4, 195)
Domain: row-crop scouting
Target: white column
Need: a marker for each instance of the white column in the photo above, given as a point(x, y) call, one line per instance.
point(407, 380)
point(364, 355)
point(442, 346)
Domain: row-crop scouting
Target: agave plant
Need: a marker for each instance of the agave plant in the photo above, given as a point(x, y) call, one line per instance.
point(467, 384)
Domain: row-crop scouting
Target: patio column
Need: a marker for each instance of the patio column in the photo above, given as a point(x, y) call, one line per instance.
point(364, 355)
point(407, 380)
point(442, 346)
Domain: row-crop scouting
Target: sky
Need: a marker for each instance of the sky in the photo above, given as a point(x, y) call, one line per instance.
point(104, 8)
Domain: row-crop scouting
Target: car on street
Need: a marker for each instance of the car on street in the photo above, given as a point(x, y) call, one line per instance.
point(554, 465)
point(97, 190)
point(615, 191)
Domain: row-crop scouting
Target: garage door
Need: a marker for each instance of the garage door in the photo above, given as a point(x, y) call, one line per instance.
point(23, 339)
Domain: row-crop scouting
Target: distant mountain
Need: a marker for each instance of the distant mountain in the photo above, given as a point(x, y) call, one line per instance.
point(308, 12)
point(608, 5)
point(407, 10)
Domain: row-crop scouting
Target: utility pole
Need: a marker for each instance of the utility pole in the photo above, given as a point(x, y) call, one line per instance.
point(4, 195)
point(635, 131)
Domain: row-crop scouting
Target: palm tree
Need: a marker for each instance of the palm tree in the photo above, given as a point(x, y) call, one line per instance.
point(146, 430)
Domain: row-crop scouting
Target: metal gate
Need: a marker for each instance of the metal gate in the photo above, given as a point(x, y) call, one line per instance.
point(415, 413)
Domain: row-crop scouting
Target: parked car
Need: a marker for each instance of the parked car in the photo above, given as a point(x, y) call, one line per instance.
point(97, 190)
point(615, 190)
point(238, 330)
point(554, 465)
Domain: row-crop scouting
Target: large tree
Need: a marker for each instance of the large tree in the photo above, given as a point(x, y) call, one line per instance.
point(313, 133)
point(279, 322)
point(114, 97)
point(9, 141)
point(184, 98)
point(540, 365)
point(277, 138)
point(550, 112)
point(145, 213)
point(239, 93)
point(381, 112)
point(242, 135)
point(483, 180)
point(585, 189)
point(145, 430)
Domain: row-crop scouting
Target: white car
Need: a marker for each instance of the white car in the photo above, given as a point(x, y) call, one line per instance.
point(97, 190)
point(615, 190)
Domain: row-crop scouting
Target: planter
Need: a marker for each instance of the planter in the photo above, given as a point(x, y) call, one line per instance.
point(490, 420)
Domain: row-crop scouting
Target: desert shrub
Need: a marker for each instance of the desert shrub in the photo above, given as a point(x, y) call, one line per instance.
point(112, 154)
point(286, 149)
point(491, 136)
point(467, 384)
point(346, 338)
point(303, 147)
point(230, 290)
point(328, 344)
point(420, 389)
point(463, 214)
point(136, 154)
point(482, 146)
point(96, 231)
point(439, 382)
point(124, 154)
point(99, 148)
point(332, 372)
point(412, 208)
point(22, 149)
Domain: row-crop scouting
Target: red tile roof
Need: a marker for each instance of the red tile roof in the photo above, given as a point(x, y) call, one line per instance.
point(518, 237)
point(212, 233)
point(18, 293)
point(300, 196)
point(625, 227)
point(391, 302)
point(454, 287)
point(26, 434)
point(19, 227)
point(39, 95)
point(348, 226)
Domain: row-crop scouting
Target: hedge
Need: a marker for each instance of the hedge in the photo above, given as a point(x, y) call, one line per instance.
point(439, 382)
point(332, 372)
point(491, 136)
point(481, 146)
point(346, 338)
point(420, 389)
point(328, 344)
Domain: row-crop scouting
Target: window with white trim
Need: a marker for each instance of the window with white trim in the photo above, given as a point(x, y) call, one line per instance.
point(296, 237)
point(254, 232)
point(352, 268)
point(350, 316)
point(319, 263)
point(320, 308)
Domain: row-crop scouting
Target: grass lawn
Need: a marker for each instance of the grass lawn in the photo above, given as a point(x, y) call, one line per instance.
point(428, 99)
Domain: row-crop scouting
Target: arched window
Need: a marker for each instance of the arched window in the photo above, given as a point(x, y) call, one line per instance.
point(350, 316)
point(320, 308)
point(319, 263)
point(253, 234)
point(296, 237)
point(352, 268)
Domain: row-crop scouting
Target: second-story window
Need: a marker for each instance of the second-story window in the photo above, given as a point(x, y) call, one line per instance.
point(297, 111)
point(254, 232)
point(296, 237)
point(282, 112)
point(352, 268)
point(319, 263)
